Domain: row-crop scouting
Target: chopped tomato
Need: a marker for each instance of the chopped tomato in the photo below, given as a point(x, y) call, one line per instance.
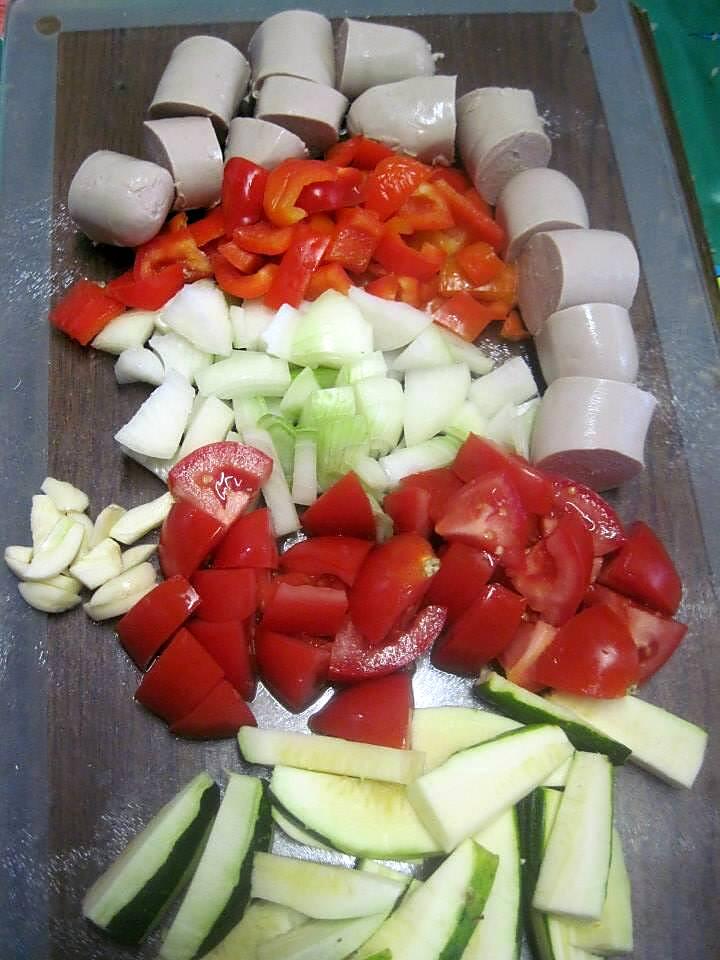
point(245, 286)
point(592, 654)
point(644, 571)
point(180, 679)
point(220, 714)
point(249, 542)
point(596, 513)
point(344, 508)
point(467, 317)
point(285, 184)
point(481, 632)
point(353, 658)
point(470, 211)
point(656, 637)
point(392, 182)
point(298, 263)
point(397, 257)
point(555, 572)
point(149, 293)
point(295, 671)
point(166, 249)
point(331, 276)
point(357, 234)
point(478, 457)
point(187, 538)
point(519, 657)
point(155, 618)
point(345, 191)
point(240, 259)
point(426, 209)
point(84, 310)
point(243, 192)
point(463, 573)
point(373, 711)
point(305, 608)
point(228, 642)
point(208, 228)
point(441, 483)
point(225, 594)
point(409, 509)
point(487, 513)
point(479, 262)
point(223, 479)
point(264, 238)
point(339, 556)
point(392, 580)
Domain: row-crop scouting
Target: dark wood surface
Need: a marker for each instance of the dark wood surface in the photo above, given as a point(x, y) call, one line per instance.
point(112, 765)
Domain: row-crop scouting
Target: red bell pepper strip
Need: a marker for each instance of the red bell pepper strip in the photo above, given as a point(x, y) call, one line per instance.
point(346, 191)
point(467, 317)
point(84, 311)
point(305, 608)
point(643, 571)
point(152, 292)
point(471, 211)
point(426, 209)
point(170, 248)
point(353, 658)
point(330, 276)
point(386, 287)
point(344, 508)
point(225, 594)
point(180, 679)
point(208, 228)
point(220, 714)
point(357, 233)
point(243, 192)
point(456, 178)
point(285, 184)
point(339, 556)
point(248, 543)
point(295, 671)
point(240, 259)
point(187, 538)
point(397, 257)
point(463, 572)
point(479, 262)
point(359, 152)
point(155, 618)
point(228, 642)
point(299, 262)
point(264, 238)
point(373, 711)
point(250, 286)
point(392, 182)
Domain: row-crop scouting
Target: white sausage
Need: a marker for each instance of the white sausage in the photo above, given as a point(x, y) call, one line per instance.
point(500, 134)
point(535, 201)
point(294, 43)
point(373, 53)
point(564, 268)
point(262, 142)
point(417, 116)
point(591, 340)
point(205, 76)
point(310, 110)
point(188, 148)
point(592, 430)
point(118, 199)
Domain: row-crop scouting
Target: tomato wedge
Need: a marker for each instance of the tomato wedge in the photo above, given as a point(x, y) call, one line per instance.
point(592, 654)
point(295, 671)
point(409, 509)
point(644, 571)
point(519, 657)
point(223, 479)
point(225, 594)
point(463, 573)
point(354, 659)
point(249, 542)
point(478, 457)
point(392, 580)
point(305, 608)
point(373, 711)
point(220, 714)
point(228, 642)
point(344, 508)
point(595, 512)
point(441, 483)
point(155, 618)
point(187, 538)
point(339, 556)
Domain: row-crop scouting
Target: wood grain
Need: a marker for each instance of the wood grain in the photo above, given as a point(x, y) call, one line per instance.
point(112, 765)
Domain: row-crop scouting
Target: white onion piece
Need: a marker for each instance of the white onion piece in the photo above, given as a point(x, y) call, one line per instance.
point(304, 481)
point(158, 426)
point(512, 382)
point(177, 353)
point(278, 337)
point(433, 396)
point(394, 324)
point(463, 352)
point(436, 452)
point(210, 423)
point(249, 322)
point(382, 402)
point(428, 349)
point(139, 365)
point(245, 374)
point(199, 312)
point(283, 515)
point(130, 329)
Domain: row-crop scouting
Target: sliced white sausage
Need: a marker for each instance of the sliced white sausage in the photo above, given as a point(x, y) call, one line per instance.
point(417, 116)
point(294, 43)
point(592, 430)
point(536, 201)
point(188, 148)
point(262, 142)
point(500, 134)
point(564, 268)
point(205, 76)
point(591, 340)
point(373, 53)
point(118, 199)
point(311, 111)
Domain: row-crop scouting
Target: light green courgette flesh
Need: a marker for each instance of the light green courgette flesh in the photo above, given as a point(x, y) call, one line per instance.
point(294, 830)
point(439, 732)
point(321, 939)
point(613, 932)
point(261, 921)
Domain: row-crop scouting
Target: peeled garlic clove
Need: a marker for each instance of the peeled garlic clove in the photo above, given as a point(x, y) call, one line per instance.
point(104, 522)
point(63, 582)
point(43, 517)
point(99, 565)
point(64, 495)
point(18, 559)
point(141, 519)
point(139, 554)
point(88, 527)
point(48, 598)
point(57, 551)
point(118, 595)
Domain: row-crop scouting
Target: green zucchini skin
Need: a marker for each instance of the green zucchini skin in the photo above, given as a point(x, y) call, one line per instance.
point(136, 919)
point(483, 877)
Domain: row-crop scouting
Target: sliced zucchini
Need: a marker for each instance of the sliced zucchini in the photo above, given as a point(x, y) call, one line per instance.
point(474, 786)
point(261, 921)
point(219, 889)
point(321, 939)
point(498, 935)
point(573, 874)
point(128, 900)
point(558, 778)
point(320, 890)
point(294, 830)
point(438, 918)
point(329, 755)
point(528, 707)
point(439, 732)
point(613, 932)
point(365, 818)
point(666, 745)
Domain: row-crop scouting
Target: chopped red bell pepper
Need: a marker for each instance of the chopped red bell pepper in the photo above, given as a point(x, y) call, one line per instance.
point(166, 249)
point(243, 192)
point(155, 618)
point(285, 184)
point(426, 209)
point(386, 287)
point(513, 328)
point(339, 556)
point(84, 310)
point(357, 233)
point(359, 152)
point(346, 191)
point(249, 542)
point(392, 182)
point(225, 594)
point(344, 508)
point(463, 572)
point(240, 259)
point(466, 317)
point(456, 178)
point(228, 642)
point(305, 608)
point(373, 711)
point(245, 286)
point(264, 238)
point(295, 671)
point(220, 714)
point(331, 276)
point(479, 262)
point(397, 257)
point(299, 262)
point(208, 228)
point(180, 679)
point(471, 211)
point(150, 293)
point(187, 538)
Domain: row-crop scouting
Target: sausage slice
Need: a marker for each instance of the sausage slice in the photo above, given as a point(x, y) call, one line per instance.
point(369, 54)
point(188, 148)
